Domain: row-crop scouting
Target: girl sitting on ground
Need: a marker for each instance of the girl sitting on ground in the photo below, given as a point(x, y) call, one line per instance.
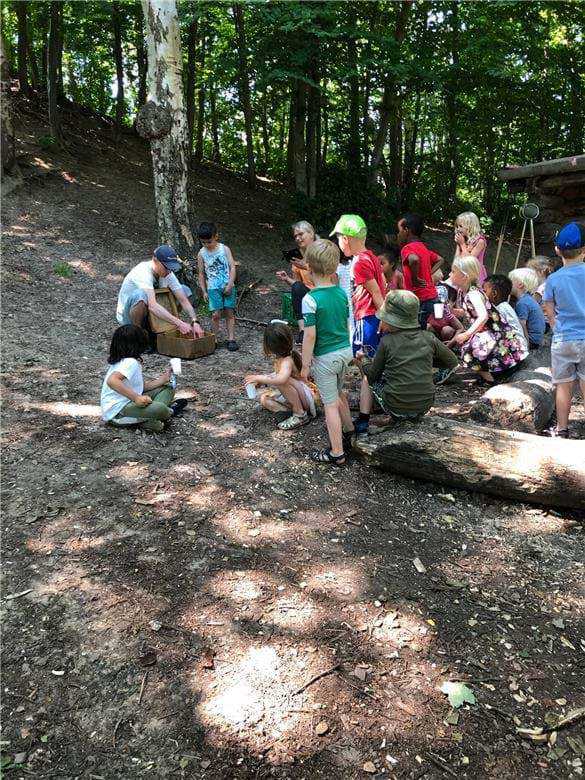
point(126, 398)
point(447, 325)
point(470, 241)
point(287, 390)
point(391, 268)
point(489, 345)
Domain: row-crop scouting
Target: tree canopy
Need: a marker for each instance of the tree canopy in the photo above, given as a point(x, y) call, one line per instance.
point(375, 106)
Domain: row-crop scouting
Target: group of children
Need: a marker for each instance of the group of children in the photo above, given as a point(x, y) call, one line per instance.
point(395, 316)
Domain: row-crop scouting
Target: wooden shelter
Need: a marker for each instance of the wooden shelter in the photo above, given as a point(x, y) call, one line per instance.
point(557, 187)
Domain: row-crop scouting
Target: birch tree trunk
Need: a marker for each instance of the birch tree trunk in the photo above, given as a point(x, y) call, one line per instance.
point(54, 54)
point(163, 120)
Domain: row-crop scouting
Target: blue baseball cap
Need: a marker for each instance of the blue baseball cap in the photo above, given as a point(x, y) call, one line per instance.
point(571, 236)
point(166, 255)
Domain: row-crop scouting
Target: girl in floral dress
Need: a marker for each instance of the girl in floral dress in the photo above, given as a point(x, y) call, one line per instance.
point(489, 345)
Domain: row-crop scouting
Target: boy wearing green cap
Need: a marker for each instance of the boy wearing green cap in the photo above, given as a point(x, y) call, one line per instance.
point(400, 378)
point(367, 282)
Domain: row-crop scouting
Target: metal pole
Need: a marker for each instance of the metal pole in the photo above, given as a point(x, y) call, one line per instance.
point(520, 244)
point(532, 238)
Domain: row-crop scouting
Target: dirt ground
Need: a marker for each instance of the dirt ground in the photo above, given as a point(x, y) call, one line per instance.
point(209, 604)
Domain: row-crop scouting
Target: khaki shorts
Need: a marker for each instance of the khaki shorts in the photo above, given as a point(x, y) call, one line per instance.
point(329, 372)
point(567, 361)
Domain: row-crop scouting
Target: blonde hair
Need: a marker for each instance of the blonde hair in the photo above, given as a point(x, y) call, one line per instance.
point(469, 266)
point(469, 222)
point(322, 257)
point(541, 265)
point(525, 277)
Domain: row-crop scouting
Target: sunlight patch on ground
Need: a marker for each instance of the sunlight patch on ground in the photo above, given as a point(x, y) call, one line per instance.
point(338, 580)
point(295, 611)
point(66, 409)
point(83, 265)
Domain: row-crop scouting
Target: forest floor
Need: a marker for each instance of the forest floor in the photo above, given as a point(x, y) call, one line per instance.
point(209, 604)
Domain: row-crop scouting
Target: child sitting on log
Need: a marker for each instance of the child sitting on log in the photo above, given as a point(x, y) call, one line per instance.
point(524, 283)
point(400, 377)
point(564, 301)
point(442, 322)
point(288, 391)
point(498, 289)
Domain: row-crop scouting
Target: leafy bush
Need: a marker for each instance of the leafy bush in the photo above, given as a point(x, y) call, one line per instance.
point(63, 269)
point(47, 142)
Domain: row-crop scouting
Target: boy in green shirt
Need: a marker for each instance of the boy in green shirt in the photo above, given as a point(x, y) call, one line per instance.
point(326, 349)
point(400, 377)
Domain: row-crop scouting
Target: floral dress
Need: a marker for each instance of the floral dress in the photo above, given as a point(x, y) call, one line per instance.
point(495, 347)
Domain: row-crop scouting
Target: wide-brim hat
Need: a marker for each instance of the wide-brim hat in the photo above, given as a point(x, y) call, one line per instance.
point(400, 309)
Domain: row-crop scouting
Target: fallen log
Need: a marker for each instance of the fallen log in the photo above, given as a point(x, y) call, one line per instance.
point(524, 404)
point(506, 464)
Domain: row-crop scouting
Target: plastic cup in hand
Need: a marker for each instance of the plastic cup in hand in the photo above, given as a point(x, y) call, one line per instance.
point(439, 309)
point(176, 366)
point(251, 391)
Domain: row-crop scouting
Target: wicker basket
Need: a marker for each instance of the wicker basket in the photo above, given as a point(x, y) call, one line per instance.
point(169, 340)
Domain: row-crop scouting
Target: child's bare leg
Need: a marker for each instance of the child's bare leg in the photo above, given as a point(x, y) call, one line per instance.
point(366, 397)
point(215, 320)
point(345, 413)
point(304, 402)
point(230, 323)
point(333, 422)
point(487, 376)
point(269, 403)
point(447, 333)
point(564, 396)
point(291, 394)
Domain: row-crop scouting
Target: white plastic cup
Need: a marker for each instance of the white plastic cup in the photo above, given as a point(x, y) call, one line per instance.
point(251, 391)
point(439, 310)
point(176, 366)
point(278, 322)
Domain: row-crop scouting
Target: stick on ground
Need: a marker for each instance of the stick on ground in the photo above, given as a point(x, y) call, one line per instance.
point(317, 677)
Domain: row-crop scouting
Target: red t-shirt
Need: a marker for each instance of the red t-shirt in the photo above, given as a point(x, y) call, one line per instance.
point(427, 258)
point(364, 267)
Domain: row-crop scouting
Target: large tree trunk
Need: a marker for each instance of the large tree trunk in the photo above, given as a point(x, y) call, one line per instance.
point(55, 49)
point(452, 156)
point(353, 151)
point(524, 404)
point(11, 177)
point(299, 145)
point(265, 131)
point(389, 97)
point(164, 121)
point(216, 151)
point(21, 8)
point(505, 464)
point(190, 82)
point(244, 83)
point(290, 144)
point(313, 111)
point(119, 60)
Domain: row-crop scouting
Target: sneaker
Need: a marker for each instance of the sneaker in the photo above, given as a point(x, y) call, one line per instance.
point(361, 426)
point(443, 374)
point(178, 406)
point(559, 433)
point(232, 346)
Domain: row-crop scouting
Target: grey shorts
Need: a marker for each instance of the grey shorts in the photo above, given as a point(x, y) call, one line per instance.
point(567, 361)
point(329, 372)
point(138, 296)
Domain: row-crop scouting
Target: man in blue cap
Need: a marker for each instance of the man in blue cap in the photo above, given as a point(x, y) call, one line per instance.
point(136, 297)
point(564, 304)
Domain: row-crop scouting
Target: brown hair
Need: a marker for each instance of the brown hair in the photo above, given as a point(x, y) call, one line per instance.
point(278, 342)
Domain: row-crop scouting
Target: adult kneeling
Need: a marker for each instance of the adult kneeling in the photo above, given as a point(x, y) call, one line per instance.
point(300, 282)
point(137, 298)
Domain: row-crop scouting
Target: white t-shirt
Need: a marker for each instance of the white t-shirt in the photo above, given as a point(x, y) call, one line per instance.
point(112, 402)
point(511, 318)
point(142, 277)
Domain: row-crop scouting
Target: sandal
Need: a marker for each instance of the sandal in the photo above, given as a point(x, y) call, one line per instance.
point(325, 456)
point(294, 421)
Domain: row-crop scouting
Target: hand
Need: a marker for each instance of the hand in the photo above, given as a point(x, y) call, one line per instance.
point(165, 377)
point(197, 330)
point(250, 379)
point(228, 288)
point(458, 312)
point(460, 338)
point(142, 400)
point(305, 373)
point(282, 275)
point(459, 237)
point(383, 327)
point(184, 328)
point(359, 355)
point(205, 296)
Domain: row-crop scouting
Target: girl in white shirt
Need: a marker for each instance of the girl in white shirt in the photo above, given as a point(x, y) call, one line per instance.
point(123, 399)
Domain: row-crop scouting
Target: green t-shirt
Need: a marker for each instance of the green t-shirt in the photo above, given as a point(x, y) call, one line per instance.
point(327, 310)
point(404, 365)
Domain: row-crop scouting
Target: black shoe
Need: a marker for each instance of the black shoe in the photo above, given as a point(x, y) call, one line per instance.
point(178, 406)
point(232, 346)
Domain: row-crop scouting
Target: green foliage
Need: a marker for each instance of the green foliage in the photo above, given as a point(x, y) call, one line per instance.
point(46, 141)
point(474, 86)
point(63, 269)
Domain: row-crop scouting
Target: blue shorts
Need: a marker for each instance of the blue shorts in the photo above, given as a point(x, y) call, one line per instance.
point(365, 335)
point(138, 296)
point(217, 300)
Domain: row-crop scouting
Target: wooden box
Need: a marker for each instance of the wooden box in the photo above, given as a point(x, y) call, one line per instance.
point(169, 340)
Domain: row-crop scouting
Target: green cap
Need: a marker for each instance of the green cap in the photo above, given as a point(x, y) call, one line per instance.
point(350, 225)
point(400, 309)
